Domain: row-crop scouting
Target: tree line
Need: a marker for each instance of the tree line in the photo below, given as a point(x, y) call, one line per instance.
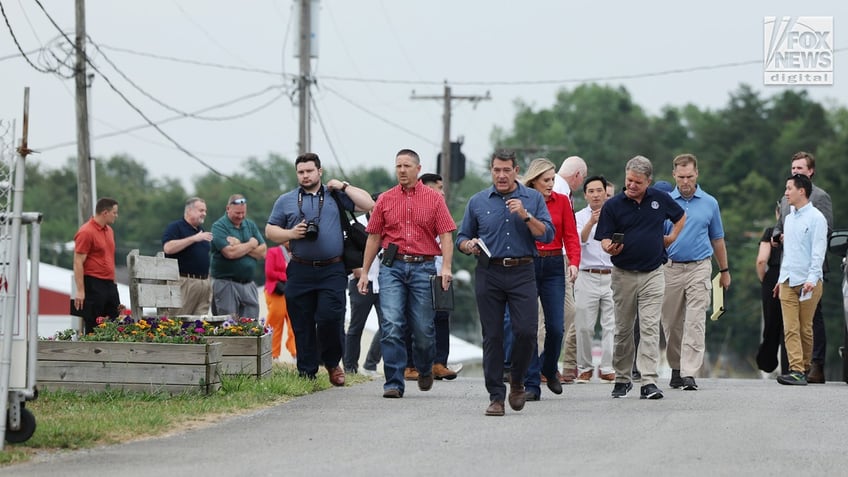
point(744, 150)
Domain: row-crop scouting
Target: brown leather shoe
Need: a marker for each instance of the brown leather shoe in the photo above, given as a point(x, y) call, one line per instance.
point(496, 408)
point(516, 397)
point(337, 376)
point(392, 393)
point(425, 383)
point(410, 374)
point(567, 377)
point(608, 377)
point(816, 374)
point(440, 371)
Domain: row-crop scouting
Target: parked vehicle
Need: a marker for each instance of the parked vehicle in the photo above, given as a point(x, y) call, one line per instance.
point(838, 245)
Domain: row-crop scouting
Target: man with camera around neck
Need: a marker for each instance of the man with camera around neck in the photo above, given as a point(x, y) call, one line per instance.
point(309, 218)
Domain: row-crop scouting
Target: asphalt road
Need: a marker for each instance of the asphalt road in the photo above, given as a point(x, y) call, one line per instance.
point(728, 427)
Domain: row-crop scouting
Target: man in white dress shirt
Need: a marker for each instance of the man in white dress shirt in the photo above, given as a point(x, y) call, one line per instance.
point(592, 292)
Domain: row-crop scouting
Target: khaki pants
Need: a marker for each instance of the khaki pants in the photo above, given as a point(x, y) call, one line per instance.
point(684, 314)
point(569, 342)
point(798, 324)
point(196, 295)
point(632, 292)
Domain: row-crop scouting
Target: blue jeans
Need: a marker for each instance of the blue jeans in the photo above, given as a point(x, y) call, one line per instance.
point(550, 283)
point(406, 301)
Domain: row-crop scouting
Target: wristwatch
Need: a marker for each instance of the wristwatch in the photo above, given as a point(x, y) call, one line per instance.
point(529, 216)
point(345, 184)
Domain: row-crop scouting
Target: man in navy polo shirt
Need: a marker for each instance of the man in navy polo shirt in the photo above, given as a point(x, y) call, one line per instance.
point(631, 231)
point(186, 241)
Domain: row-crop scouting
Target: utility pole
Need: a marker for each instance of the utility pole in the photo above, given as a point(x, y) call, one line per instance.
point(305, 79)
point(447, 99)
point(84, 195)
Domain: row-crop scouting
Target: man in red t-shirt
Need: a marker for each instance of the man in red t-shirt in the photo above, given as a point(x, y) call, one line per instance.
point(94, 266)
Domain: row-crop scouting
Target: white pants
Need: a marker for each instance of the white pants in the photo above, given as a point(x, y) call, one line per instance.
point(592, 294)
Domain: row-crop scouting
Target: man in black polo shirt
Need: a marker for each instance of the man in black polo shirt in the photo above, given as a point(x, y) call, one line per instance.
point(631, 231)
point(186, 241)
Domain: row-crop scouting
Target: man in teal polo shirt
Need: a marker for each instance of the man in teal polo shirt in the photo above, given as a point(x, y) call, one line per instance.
point(236, 247)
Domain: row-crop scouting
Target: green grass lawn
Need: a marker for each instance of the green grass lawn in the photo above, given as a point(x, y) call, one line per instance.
point(72, 420)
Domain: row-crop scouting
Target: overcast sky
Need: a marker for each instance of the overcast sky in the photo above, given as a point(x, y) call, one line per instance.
point(372, 55)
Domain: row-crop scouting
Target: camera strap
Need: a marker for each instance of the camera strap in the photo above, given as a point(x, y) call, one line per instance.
point(320, 203)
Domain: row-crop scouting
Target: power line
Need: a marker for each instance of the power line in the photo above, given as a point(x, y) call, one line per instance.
point(375, 115)
point(327, 137)
point(196, 62)
point(595, 79)
point(161, 103)
point(650, 74)
point(178, 117)
point(20, 48)
point(135, 108)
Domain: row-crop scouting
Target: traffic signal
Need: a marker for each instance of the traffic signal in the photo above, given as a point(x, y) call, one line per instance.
point(457, 166)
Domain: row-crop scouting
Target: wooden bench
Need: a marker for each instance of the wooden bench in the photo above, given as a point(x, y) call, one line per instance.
point(155, 283)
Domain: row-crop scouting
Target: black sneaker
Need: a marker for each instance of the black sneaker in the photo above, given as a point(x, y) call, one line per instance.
point(621, 389)
point(676, 381)
point(650, 391)
point(689, 384)
point(795, 378)
point(637, 376)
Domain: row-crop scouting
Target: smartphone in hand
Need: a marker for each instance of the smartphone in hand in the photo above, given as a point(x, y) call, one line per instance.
point(617, 238)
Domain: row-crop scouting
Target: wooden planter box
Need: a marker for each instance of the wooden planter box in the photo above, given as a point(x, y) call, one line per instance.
point(249, 355)
point(150, 367)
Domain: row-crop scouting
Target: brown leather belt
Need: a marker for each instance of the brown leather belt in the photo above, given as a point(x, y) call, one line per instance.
point(550, 253)
point(602, 271)
point(316, 263)
point(196, 277)
point(414, 258)
point(511, 262)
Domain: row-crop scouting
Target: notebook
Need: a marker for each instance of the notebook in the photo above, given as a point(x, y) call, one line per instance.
point(442, 299)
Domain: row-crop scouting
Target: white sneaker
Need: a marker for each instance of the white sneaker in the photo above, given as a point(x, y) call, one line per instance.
point(371, 373)
point(455, 367)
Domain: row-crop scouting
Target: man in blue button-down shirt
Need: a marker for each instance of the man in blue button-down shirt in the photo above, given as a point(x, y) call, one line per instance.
point(506, 219)
point(799, 285)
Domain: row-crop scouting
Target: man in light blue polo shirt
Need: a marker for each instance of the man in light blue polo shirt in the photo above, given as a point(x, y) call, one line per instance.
point(688, 274)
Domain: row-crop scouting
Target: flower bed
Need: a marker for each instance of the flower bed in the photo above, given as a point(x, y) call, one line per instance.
point(154, 354)
point(130, 366)
point(245, 354)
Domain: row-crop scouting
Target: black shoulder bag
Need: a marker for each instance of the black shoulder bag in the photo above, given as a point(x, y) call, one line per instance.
point(355, 236)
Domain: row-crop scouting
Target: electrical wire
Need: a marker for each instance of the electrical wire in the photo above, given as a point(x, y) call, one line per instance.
point(137, 110)
point(176, 110)
point(178, 117)
point(375, 115)
point(20, 48)
point(327, 137)
point(195, 62)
